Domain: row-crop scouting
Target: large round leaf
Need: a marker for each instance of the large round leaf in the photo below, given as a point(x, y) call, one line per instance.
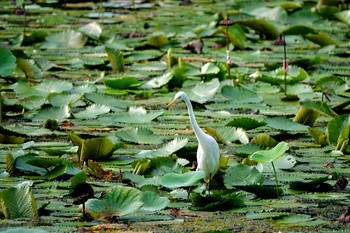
point(203, 92)
point(136, 115)
point(242, 175)
point(175, 180)
point(240, 94)
point(92, 111)
point(154, 202)
point(139, 135)
point(115, 202)
point(97, 149)
point(54, 113)
point(264, 156)
point(65, 39)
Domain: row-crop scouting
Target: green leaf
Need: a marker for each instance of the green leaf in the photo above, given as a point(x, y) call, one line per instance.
point(166, 150)
point(19, 202)
point(175, 180)
point(321, 39)
point(44, 162)
point(262, 26)
point(158, 81)
point(63, 99)
point(338, 127)
point(242, 175)
point(116, 58)
point(316, 185)
point(29, 68)
point(139, 135)
point(204, 91)
point(240, 94)
point(93, 111)
point(111, 101)
point(285, 124)
point(136, 115)
point(157, 40)
point(115, 202)
point(154, 202)
point(121, 83)
point(65, 39)
point(271, 155)
point(97, 149)
point(246, 123)
point(8, 62)
point(48, 86)
point(92, 30)
point(54, 113)
point(209, 68)
point(77, 179)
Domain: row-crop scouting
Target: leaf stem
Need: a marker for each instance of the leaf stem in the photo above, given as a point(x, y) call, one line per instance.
point(275, 174)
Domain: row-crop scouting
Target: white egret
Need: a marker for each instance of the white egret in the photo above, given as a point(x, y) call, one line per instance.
point(208, 152)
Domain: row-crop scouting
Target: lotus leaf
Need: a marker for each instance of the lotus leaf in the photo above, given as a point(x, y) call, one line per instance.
point(92, 30)
point(96, 149)
point(63, 99)
point(54, 113)
point(246, 123)
point(154, 202)
point(285, 124)
point(136, 115)
point(64, 39)
point(204, 91)
point(338, 128)
point(122, 83)
point(8, 62)
point(139, 135)
point(115, 202)
point(242, 175)
point(19, 202)
point(175, 180)
point(93, 111)
point(116, 58)
point(158, 81)
point(271, 155)
point(165, 150)
point(240, 94)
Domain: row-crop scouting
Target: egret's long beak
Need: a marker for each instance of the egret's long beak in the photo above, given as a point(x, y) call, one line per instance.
point(171, 103)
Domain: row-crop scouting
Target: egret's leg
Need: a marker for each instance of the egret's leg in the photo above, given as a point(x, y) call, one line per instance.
point(209, 183)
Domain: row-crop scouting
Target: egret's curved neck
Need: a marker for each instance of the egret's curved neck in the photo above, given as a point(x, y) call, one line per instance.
point(194, 124)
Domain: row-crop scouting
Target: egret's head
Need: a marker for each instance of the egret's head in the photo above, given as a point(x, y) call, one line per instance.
point(179, 96)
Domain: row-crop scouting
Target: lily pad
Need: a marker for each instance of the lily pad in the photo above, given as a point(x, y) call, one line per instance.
point(271, 155)
point(115, 202)
point(139, 135)
point(165, 150)
point(93, 111)
point(240, 94)
point(154, 202)
point(242, 175)
point(175, 180)
point(65, 39)
point(204, 91)
point(136, 115)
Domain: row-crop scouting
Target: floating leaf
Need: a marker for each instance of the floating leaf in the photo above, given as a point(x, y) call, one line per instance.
point(65, 39)
point(264, 140)
point(158, 81)
point(271, 155)
point(139, 135)
point(165, 150)
point(63, 99)
point(242, 175)
point(92, 30)
point(115, 202)
point(262, 26)
point(136, 115)
point(54, 113)
point(92, 111)
point(154, 202)
point(122, 83)
point(175, 180)
point(97, 149)
point(231, 134)
point(218, 200)
point(10, 164)
point(285, 124)
point(316, 185)
point(8, 62)
point(246, 123)
point(19, 202)
point(321, 39)
point(240, 94)
point(204, 91)
point(53, 86)
point(157, 40)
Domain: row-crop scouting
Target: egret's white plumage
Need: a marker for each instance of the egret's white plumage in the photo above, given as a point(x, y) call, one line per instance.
point(208, 152)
